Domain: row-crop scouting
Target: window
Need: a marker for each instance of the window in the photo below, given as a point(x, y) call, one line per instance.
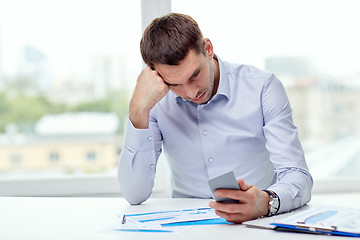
point(61, 76)
point(313, 47)
point(67, 69)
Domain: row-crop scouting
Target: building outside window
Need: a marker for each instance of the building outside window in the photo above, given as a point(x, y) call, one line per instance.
point(54, 157)
point(91, 156)
point(16, 158)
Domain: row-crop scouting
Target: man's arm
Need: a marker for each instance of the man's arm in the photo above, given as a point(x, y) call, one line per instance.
point(294, 182)
point(149, 90)
point(142, 145)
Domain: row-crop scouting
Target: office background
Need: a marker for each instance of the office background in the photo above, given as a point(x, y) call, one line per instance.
point(67, 70)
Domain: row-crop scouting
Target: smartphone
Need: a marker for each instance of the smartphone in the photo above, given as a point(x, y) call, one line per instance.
point(226, 180)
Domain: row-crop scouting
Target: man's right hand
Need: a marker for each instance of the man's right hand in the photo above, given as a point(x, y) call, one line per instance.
point(150, 89)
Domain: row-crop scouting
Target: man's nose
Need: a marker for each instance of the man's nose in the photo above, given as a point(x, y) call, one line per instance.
point(191, 90)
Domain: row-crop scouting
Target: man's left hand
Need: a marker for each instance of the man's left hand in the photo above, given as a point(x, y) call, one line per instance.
point(253, 203)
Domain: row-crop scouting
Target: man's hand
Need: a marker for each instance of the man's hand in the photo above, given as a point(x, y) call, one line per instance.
point(253, 203)
point(150, 89)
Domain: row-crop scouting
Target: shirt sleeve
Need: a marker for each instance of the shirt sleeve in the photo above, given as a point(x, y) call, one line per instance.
point(137, 163)
point(294, 182)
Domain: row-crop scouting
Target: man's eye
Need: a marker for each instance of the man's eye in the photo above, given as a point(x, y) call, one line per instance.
point(196, 74)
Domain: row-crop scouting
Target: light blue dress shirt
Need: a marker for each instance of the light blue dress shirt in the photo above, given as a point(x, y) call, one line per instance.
point(246, 127)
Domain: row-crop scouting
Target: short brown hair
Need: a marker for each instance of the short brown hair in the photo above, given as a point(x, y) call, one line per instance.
point(168, 39)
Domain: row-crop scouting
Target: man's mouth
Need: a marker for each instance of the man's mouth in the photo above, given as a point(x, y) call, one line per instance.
point(199, 98)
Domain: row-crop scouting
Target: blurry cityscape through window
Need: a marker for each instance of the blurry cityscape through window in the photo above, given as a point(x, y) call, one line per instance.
point(67, 70)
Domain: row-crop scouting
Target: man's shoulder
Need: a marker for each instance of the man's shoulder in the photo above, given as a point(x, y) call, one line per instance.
point(246, 73)
point(246, 70)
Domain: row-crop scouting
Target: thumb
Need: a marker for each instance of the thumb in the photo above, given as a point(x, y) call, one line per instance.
point(243, 185)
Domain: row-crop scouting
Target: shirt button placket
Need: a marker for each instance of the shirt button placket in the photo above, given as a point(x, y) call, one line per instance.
point(210, 159)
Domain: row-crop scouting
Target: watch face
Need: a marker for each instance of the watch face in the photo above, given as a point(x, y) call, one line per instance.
point(274, 203)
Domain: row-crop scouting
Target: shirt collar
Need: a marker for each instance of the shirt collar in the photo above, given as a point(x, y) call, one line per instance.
point(223, 88)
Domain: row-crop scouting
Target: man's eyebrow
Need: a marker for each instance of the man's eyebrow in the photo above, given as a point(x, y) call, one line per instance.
point(169, 84)
point(195, 72)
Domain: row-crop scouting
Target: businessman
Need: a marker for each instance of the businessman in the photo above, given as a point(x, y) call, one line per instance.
point(210, 116)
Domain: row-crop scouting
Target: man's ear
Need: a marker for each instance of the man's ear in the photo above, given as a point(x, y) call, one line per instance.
point(208, 47)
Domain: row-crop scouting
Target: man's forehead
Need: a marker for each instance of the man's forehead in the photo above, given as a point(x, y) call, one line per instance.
point(181, 72)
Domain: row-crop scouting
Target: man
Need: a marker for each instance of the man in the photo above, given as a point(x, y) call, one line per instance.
point(210, 117)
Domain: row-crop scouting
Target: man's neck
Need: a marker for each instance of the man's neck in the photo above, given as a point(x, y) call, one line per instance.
point(216, 75)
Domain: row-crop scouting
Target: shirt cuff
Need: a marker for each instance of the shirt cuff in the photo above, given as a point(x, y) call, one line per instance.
point(284, 197)
point(138, 139)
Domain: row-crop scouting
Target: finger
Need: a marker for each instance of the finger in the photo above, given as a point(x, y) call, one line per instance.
point(226, 207)
point(157, 73)
point(231, 217)
point(156, 77)
point(231, 193)
point(236, 213)
point(243, 185)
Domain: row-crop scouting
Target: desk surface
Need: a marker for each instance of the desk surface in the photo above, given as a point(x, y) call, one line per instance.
point(85, 218)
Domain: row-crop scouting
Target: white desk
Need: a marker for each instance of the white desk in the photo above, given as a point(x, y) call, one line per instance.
point(85, 218)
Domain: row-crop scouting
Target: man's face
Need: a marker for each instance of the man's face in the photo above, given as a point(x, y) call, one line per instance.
point(193, 79)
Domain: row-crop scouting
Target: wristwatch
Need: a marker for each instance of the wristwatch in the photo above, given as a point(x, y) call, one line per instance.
point(274, 203)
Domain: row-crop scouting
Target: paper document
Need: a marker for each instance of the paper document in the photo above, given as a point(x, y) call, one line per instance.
point(172, 221)
point(324, 219)
point(173, 216)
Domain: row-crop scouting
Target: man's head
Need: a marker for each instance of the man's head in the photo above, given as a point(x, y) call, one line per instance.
point(173, 45)
point(168, 39)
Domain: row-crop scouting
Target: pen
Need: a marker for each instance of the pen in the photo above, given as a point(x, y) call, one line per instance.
point(314, 228)
point(123, 221)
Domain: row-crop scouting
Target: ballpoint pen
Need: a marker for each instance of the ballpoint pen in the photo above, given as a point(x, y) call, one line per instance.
point(123, 221)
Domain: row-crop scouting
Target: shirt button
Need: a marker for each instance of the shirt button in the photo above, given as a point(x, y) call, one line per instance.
point(149, 138)
point(205, 132)
point(152, 166)
point(211, 160)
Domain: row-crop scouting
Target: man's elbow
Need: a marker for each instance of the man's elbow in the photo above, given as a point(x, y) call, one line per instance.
point(133, 193)
point(135, 198)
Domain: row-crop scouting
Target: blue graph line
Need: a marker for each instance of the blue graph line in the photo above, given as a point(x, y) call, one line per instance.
point(320, 216)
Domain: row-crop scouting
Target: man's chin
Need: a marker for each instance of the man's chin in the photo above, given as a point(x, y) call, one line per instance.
point(201, 99)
